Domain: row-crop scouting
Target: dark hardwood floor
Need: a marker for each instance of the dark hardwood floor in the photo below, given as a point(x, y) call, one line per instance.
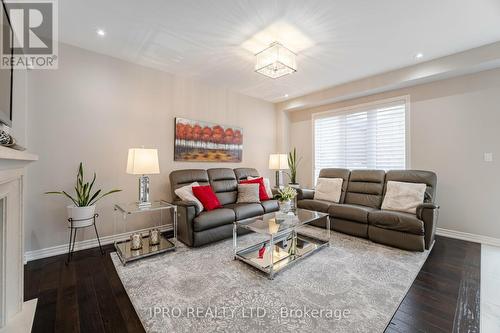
point(87, 295)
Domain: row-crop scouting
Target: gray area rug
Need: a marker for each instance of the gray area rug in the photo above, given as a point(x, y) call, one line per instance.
point(352, 286)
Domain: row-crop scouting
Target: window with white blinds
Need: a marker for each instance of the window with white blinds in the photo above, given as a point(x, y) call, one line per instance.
point(372, 137)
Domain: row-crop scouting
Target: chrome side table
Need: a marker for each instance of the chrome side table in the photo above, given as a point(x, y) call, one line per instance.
point(123, 248)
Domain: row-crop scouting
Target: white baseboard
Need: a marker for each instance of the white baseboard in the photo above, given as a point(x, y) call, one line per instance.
point(82, 245)
point(87, 244)
point(468, 237)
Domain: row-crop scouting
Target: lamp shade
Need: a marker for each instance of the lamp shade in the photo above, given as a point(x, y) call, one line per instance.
point(278, 161)
point(142, 161)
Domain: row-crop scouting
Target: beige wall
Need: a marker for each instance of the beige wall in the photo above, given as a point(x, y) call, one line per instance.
point(94, 107)
point(452, 123)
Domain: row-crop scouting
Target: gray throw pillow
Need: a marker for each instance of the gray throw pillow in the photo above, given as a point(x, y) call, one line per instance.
point(248, 193)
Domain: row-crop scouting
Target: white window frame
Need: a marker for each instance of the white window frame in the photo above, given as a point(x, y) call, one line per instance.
point(353, 108)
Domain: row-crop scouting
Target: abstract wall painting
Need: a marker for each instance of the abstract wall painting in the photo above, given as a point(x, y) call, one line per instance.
point(200, 141)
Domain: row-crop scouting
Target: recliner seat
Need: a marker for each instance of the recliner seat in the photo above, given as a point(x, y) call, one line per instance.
point(196, 228)
point(358, 213)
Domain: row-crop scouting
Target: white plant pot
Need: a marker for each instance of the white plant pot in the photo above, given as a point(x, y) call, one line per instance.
point(81, 216)
point(285, 206)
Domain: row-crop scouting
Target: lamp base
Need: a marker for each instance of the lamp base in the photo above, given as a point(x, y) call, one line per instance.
point(279, 177)
point(144, 191)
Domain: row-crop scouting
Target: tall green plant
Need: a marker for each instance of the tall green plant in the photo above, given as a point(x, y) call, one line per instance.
point(84, 196)
point(293, 164)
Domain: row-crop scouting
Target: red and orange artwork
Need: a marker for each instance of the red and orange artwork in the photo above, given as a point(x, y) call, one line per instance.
point(199, 141)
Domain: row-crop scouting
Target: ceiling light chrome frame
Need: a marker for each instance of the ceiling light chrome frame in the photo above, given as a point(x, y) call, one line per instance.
point(293, 70)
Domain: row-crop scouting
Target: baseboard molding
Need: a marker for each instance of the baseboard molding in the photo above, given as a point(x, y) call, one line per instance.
point(468, 237)
point(82, 245)
point(90, 243)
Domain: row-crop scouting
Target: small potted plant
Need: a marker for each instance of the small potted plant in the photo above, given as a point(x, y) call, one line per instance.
point(285, 197)
point(83, 208)
point(293, 163)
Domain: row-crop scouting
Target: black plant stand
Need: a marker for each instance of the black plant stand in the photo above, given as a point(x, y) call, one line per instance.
point(72, 235)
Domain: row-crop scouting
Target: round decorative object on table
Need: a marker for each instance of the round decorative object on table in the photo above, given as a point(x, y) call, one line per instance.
point(135, 241)
point(154, 237)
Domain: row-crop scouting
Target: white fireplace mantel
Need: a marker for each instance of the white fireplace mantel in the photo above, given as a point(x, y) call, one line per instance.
point(15, 314)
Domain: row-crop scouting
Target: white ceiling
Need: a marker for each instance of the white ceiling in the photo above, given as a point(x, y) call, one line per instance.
point(341, 40)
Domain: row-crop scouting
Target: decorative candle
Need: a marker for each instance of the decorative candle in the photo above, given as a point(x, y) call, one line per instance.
point(135, 241)
point(154, 236)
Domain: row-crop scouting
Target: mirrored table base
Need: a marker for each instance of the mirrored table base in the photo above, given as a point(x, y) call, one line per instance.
point(126, 254)
point(286, 251)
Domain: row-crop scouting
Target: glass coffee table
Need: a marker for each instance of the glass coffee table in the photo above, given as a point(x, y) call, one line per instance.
point(283, 243)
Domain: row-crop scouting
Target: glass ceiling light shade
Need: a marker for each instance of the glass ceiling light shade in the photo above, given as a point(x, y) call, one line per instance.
point(275, 61)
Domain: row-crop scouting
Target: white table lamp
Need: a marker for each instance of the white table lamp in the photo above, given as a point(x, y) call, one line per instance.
point(143, 162)
point(278, 162)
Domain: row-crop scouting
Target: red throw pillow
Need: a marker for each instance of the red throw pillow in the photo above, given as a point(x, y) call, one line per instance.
point(262, 188)
point(207, 197)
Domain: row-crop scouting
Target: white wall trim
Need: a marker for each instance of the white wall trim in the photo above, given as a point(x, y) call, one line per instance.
point(90, 243)
point(82, 245)
point(468, 237)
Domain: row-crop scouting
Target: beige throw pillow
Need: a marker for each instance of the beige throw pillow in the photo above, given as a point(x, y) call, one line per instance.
point(248, 193)
point(403, 197)
point(186, 194)
point(328, 189)
point(267, 185)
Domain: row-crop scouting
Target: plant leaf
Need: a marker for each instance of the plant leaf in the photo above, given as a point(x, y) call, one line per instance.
point(94, 196)
point(71, 198)
point(103, 195)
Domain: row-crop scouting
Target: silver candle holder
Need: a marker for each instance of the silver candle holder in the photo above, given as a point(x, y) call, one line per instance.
point(154, 237)
point(135, 241)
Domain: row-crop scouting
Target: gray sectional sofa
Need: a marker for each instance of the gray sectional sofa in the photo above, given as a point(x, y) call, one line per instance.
point(196, 228)
point(358, 213)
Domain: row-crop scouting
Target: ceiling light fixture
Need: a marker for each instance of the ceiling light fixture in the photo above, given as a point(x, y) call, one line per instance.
point(419, 56)
point(275, 61)
point(101, 32)
point(286, 95)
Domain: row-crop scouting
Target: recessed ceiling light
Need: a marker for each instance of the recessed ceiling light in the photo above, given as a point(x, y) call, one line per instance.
point(419, 56)
point(101, 32)
point(286, 95)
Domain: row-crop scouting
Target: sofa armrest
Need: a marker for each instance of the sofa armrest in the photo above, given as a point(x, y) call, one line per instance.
point(303, 193)
point(186, 212)
point(428, 213)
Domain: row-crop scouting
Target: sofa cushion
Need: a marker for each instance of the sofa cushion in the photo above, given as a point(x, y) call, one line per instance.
point(365, 188)
point(328, 189)
point(245, 173)
point(186, 194)
point(267, 185)
point(262, 188)
point(429, 178)
point(245, 211)
point(248, 193)
point(348, 212)
point(398, 221)
point(270, 206)
point(316, 205)
point(224, 184)
point(206, 196)
point(403, 197)
point(180, 178)
point(337, 173)
point(213, 218)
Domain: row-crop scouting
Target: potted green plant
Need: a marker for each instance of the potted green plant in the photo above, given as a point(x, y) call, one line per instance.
point(285, 197)
point(293, 163)
point(82, 209)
